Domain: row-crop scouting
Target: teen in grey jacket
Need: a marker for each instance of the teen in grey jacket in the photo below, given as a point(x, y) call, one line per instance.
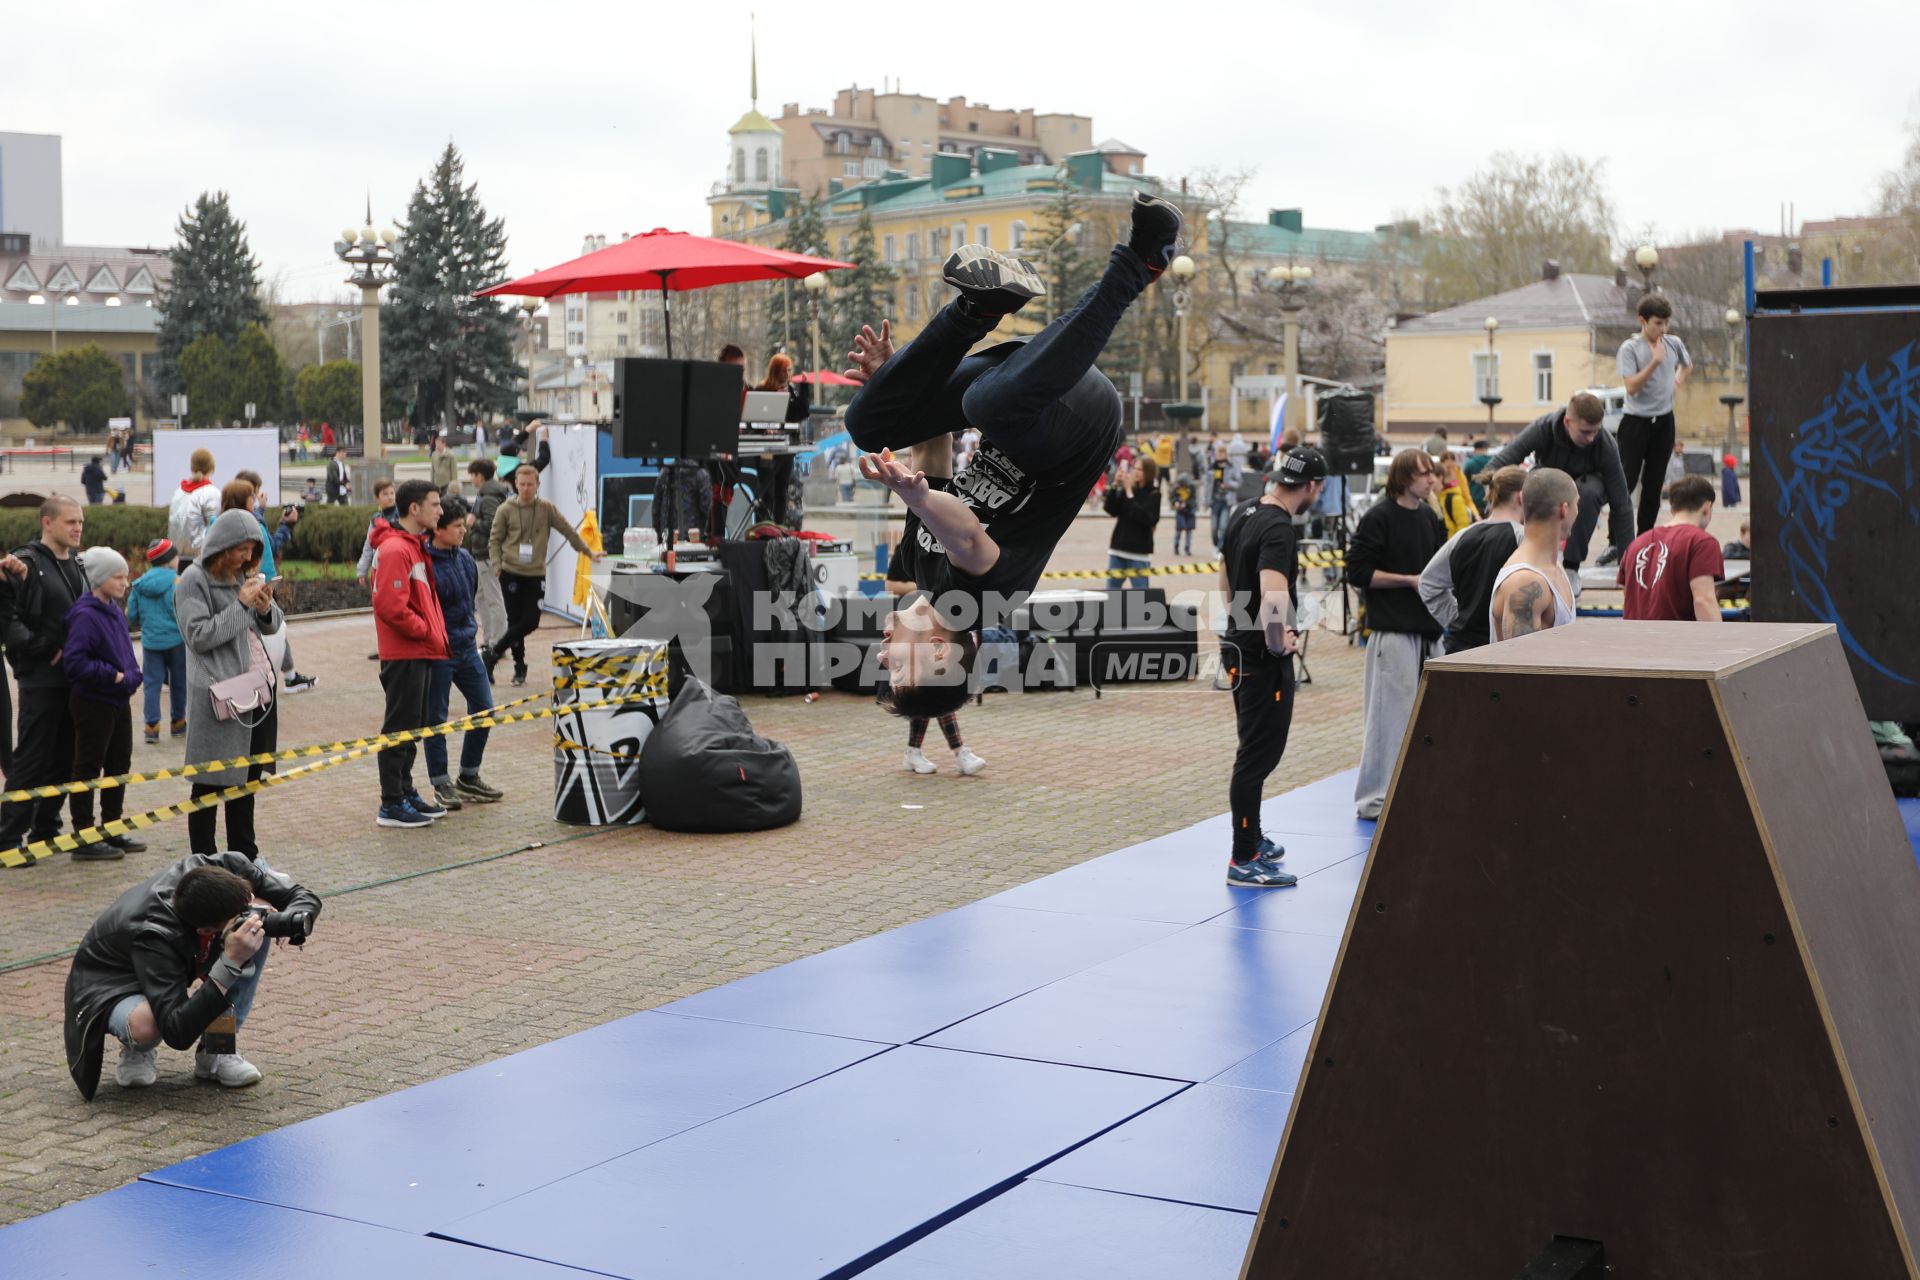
point(215, 622)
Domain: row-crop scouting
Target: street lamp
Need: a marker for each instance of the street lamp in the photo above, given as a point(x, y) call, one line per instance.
point(1732, 399)
point(1291, 282)
point(1182, 269)
point(816, 287)
point(1490, 393)
point(372, 258)
point(1646, 257)
point(527, 307)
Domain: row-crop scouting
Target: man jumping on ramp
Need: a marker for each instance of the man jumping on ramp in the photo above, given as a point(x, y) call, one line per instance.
point(1049, 423)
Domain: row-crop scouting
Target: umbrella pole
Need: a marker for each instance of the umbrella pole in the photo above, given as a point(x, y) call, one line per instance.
point(666, 306)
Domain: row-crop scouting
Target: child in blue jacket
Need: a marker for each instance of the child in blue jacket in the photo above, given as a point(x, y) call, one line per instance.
point(164, 653)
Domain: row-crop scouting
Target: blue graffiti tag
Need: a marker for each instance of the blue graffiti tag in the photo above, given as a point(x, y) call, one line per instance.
point(1866, 436)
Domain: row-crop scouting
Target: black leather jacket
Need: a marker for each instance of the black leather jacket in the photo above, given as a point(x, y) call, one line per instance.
point(139, 947)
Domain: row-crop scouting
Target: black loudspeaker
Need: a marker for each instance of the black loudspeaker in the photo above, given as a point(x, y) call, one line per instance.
point(649, 408)
point(714, 394)
point(1346, 433)
point(675, 408)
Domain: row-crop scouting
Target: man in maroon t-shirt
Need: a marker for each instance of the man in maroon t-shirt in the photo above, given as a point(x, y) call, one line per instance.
point(1669, 572)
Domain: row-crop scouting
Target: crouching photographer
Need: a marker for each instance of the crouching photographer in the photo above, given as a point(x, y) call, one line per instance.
point(206, 917)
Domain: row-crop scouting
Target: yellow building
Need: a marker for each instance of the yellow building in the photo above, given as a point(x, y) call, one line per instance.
point(1556, 336)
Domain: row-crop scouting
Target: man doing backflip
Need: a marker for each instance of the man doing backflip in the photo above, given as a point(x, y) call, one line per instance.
point(1048, 420)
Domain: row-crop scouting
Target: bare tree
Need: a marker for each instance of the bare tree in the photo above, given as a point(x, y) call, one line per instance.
point(1493, 231)
point(1893, 255)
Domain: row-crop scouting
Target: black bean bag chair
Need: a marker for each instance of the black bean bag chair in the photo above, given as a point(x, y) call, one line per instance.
point(705, 769)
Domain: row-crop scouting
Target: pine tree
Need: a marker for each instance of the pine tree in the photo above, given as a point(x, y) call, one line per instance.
point(1067, 267)
point(214, 288)
point(806, 233)
point(449, 353)
point(864, 294)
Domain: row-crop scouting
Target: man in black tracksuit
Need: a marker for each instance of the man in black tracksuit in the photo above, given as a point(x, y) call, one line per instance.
point(35, 634)
point(1259, 566)
point(1572, 440)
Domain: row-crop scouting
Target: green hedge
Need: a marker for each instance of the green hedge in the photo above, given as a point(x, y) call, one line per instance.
point(325, 533)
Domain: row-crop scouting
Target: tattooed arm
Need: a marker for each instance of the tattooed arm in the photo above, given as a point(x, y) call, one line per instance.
point(1527, 607)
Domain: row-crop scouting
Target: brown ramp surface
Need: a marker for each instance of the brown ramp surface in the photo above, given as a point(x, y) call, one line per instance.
point(1637, 959)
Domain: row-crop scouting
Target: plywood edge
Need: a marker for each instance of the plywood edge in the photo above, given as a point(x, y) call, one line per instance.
point(1812, 972)
point(1333, 984)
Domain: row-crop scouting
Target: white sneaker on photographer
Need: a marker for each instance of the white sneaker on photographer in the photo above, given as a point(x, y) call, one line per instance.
point(230, 1069)
point(136, 1069)
point(917, 761)
point(969, 763)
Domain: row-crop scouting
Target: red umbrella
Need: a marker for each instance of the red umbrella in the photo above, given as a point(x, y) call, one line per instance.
point(827, 378)
point(665, 260)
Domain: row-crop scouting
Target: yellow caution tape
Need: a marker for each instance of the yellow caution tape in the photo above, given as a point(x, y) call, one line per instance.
point(1308, 559)
point(366, 746)
point(607, 662)
point(238, 762)
point(565, 744)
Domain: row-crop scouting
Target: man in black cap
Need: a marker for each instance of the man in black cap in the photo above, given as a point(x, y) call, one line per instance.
point(1259, 562)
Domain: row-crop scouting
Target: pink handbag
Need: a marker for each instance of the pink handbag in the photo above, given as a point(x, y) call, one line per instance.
point(250, 692)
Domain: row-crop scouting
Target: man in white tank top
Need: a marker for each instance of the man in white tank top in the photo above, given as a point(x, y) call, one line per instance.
point(1531, 592)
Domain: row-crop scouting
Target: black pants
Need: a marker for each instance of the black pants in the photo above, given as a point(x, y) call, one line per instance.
point(521, 596)
point(203, 835)
point(42, 754)
point(1042, 402)
point(1593, 496)
point(1646, 446)
point(1263, 695)
point(102, 747)
point(406, 681)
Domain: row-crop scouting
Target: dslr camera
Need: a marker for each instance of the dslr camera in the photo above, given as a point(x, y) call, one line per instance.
point(291, 925)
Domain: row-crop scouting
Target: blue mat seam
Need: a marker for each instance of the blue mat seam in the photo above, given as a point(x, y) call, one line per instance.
point(1141, 1195)
point(1082, 1066)
point(905, 1239)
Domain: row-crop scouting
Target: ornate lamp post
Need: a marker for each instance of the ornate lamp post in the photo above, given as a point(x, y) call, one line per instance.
point(527, 307)
point(1732, 399)
point(1182, 270)
point(1646, 257)
point(1490, 393)
point(816, 287)
point(1291, 282)
point(371, 256)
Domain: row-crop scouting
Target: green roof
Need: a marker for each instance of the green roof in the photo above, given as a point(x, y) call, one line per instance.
point(1003, 184)
point(1322, 243)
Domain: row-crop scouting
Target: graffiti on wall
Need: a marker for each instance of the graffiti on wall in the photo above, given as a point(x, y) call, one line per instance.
point(1865, 439)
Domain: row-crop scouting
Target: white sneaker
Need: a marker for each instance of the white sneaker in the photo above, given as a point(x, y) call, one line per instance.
point(230, 1069)
point(136, 1069)
point(917, 761)
point(969, 763)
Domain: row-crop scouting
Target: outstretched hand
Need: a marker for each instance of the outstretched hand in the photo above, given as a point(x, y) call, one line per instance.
point(870, 351)
point(911, 485)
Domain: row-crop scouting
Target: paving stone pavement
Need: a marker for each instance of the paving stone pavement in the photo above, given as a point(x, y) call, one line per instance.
point(423, 966)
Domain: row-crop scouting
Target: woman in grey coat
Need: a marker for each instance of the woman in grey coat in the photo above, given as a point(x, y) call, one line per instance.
point(218, 602)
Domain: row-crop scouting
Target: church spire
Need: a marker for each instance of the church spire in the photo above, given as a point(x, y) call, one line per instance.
point(753, 56)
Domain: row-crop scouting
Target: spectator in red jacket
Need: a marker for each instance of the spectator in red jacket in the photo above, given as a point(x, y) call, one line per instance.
point(413, 636)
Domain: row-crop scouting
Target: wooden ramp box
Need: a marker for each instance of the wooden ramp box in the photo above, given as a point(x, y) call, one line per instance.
point(1636, 960)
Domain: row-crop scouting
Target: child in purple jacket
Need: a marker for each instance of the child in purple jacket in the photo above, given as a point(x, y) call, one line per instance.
point(103, 677)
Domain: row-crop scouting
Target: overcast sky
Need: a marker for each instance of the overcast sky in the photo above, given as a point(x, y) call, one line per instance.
point(578, 118)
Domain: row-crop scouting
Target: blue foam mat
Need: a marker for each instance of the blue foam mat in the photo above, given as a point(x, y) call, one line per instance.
point(1041, 1231)
point(1210, 1145)
point(1276, 1068)
point(439, 1151)
point(1178, 878)
point(1187, 1007)
point(911, 981)
point(144, 1229)
point(1319, 904)
point(1910, 814)
point(810, 1183)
